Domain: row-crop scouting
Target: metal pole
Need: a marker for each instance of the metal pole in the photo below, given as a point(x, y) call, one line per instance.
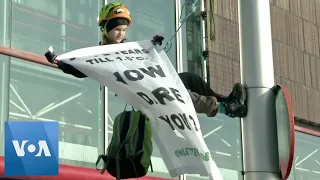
point(4, 96)
point(179, 37)
point(203, 40)
point(259, 133)
point(105, 120)
point(5, 23)
point(63, 25)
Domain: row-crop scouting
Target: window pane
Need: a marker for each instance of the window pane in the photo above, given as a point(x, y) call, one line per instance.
point(66, 25)
point(222, 136)
point(46, 94)
point(4, 97)
point(307, 157)
point(151, 17)
point(4, 22)
point(191, 38)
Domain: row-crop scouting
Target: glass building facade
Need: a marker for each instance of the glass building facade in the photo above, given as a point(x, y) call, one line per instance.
point(84, 109)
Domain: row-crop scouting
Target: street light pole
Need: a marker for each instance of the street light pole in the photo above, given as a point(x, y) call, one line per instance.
point(259, 132)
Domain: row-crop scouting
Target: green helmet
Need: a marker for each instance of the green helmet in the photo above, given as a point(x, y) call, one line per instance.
point(111, 11)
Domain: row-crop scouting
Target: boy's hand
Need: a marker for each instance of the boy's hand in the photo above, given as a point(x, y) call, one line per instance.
point(157, 40)
point(51, 56)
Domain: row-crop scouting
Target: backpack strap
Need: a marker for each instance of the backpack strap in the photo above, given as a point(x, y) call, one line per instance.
point(134, 122)
point(125, 107)
point(117, 130)
point(151, 168)
point(118, 166)
point(105, 163)
point(112, 150)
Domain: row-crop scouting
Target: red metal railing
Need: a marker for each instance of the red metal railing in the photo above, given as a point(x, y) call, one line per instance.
point(67, 172)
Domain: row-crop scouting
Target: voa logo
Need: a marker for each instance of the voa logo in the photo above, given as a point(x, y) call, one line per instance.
point(42, 147)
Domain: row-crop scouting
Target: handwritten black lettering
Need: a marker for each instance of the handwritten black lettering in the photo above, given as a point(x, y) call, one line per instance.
point(109, 60)
point(98, 60)
point(179, 120)
point(161, 94)
point(138, 51)
point(119, 78)
point(183, 117)
point(150, 71)
point(194, 123)
point(129, 58)
point(115, 56)
point(90, 61)
point(101, 60)
point(131, 51)
point(133, 75)
point(147, 98)
point(177, 95)
point(167, 120)
point(145, 51)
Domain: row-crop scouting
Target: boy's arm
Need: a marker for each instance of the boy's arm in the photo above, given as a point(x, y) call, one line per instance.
point(204, 104)
point(68, 69)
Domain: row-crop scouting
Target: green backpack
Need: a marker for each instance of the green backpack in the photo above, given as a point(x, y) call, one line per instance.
point(130, 150)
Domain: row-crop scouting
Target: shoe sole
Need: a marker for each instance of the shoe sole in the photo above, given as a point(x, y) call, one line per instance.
point(238, 87)
point(241, 95)
point(243, 100)
point(244, 111)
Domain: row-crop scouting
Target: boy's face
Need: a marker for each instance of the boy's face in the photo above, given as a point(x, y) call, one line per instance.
point(117, 34)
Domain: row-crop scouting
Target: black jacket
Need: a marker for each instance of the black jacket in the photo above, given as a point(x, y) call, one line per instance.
point(68, 69)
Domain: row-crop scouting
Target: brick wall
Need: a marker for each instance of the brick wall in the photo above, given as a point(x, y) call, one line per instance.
point(295, 33)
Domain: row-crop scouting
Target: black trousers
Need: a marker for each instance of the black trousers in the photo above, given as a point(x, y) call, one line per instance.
point(196, 84)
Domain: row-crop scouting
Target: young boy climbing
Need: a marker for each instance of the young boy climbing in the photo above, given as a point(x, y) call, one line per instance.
point(114, 19)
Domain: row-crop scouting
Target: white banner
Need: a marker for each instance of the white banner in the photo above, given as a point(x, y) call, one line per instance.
point(146, 79)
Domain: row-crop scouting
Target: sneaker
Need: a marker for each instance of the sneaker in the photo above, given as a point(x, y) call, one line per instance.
point(235, 103)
